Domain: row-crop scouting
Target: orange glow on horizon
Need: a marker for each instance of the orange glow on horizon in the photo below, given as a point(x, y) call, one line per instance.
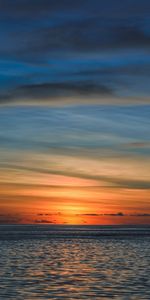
point(72, 205)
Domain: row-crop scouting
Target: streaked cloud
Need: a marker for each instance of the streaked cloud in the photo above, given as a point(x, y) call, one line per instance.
point(77, 146)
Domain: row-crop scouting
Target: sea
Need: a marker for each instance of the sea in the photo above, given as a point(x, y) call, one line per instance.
point(74, 262)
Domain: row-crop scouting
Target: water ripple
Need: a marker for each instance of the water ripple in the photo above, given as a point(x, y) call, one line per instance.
point(75, 269)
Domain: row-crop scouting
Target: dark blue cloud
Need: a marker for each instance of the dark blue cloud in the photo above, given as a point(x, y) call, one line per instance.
point(74, 48)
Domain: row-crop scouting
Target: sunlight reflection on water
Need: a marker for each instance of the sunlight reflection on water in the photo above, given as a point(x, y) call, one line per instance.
point(75, 269)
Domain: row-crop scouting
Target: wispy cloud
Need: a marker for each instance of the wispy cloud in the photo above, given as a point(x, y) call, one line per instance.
point(95, 146)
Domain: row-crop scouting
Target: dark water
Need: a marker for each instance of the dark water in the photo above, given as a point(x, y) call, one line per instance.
point(60, 262)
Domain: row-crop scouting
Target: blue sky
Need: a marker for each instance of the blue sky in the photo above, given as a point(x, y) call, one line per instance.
point(74, 109)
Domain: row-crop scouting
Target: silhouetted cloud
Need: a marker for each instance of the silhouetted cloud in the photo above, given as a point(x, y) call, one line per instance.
point(11, 218)
point(62, 89)
point(90, 214)
point(140, 215)
point(119, 214)
point(44, 221)
point(49, 214)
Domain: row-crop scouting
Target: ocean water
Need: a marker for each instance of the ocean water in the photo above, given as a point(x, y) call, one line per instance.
point(76, 262)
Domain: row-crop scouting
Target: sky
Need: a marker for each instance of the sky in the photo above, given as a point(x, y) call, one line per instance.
point(75, 112)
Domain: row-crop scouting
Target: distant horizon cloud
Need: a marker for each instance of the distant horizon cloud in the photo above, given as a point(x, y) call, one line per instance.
point(29, 219)
point(119, 214)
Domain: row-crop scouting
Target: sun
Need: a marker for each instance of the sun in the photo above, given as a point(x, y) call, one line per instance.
point(71, 214)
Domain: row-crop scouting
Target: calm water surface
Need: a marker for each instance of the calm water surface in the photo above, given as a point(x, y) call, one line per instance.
point(74, 268)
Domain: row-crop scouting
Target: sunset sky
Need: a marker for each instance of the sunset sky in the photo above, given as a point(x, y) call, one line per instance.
point(75, 112)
